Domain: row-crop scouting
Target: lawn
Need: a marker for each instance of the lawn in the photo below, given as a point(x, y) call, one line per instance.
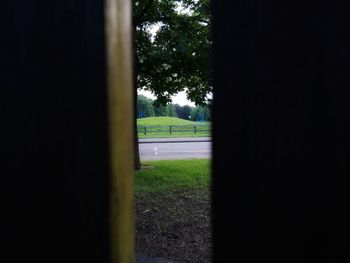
point(173, 210)
point(160, 127)
point(172, 175)
point(164, 121)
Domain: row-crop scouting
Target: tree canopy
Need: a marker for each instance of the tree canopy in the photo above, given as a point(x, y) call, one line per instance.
point(200, 113)
point(144, 107)
point(183, 112)
point(177, 56)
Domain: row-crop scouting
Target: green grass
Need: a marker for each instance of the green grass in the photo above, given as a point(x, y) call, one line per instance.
point(159, 127)
point(174, 175)
point(165, 121)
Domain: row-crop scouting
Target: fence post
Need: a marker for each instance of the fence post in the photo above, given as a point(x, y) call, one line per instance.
point(170, 129)
point(145, 130)
point(195, 129)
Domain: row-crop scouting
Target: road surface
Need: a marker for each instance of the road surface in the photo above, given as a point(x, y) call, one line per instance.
point(175, 148)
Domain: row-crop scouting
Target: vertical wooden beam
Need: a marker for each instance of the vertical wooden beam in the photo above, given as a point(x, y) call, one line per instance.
point(120, 94)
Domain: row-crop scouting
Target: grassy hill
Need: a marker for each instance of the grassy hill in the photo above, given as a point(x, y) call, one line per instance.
point(160, 127)
point(165, 121)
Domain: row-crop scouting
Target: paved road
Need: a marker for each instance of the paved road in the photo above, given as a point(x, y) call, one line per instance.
point(175, 148)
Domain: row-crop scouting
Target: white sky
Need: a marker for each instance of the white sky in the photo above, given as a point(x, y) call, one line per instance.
point(179, 98)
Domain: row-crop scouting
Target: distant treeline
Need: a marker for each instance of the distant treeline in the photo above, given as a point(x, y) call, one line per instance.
point(146, 108)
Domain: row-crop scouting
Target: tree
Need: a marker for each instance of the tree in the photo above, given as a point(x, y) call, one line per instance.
point(177, 57)
point(144, 107)
point(200, 113)
point(165, 110)
point(160, 111)
point(171, 111)
point(183, 112)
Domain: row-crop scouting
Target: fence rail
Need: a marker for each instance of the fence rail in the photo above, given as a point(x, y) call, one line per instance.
point(173, 129)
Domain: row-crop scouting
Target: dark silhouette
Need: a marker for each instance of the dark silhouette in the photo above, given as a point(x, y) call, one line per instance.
point(282, 71)
point(54, 169)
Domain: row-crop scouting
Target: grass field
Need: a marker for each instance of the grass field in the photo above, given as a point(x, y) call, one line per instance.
point(163, 121)
point(160, 126)
point(168, 176)
point(173, 210)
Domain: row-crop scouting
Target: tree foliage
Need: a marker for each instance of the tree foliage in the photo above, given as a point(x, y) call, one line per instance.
point(171, 111)
point(183, 112)
point(144, 107)
point(147, 108)
point(200, 113)
point(177, 57)
point(160, 111)
point(164, 110)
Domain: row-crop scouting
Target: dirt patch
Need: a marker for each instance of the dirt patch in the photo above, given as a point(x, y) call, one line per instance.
point(175, 226)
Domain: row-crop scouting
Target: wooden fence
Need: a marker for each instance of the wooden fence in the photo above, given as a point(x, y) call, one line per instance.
point(173, 129)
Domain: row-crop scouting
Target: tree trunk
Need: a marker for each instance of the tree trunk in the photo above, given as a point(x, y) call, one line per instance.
point(136, 137)
point(137, 161)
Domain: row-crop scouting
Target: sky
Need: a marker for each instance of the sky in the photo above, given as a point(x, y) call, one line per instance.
point(180, 98)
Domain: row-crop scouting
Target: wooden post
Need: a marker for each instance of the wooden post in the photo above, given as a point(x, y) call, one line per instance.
point(145, 130)
point(120, 90)
point(170, 129)
point(195, 129)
